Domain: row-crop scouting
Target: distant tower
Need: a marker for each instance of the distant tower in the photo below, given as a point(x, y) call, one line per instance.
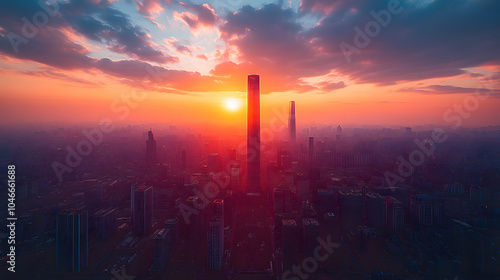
point(292, 126)
point(143, 210)
point(339, 132)
point(72, 237)
point(151, 147)
point(253, 136)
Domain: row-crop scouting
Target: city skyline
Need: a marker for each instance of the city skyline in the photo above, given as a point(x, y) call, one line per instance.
point(262, 140)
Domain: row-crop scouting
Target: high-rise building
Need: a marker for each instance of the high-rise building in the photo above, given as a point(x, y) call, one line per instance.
point(253, 136)
point(235, 177)
point(173, 226)
point(151, 147)
point(143, 210)
point(310, 228)
point(289, 242)
point(105, 223)
point(215, 243)
point(351, 211)
point(292, 126)
point(219, 208)
point(394, 214)
point(162, 243)
point(375, 212)
point(421, 209)
point(72, 241)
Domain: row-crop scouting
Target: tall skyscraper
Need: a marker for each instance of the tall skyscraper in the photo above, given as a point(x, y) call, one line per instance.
point(143, 210)
point(292, 127)
point(151, 147)
point(72, 239)
point(253, 136)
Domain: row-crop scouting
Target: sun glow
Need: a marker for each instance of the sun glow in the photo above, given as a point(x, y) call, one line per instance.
point(232, 104)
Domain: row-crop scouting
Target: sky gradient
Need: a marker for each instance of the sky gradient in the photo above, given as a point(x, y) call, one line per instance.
point(172, 61)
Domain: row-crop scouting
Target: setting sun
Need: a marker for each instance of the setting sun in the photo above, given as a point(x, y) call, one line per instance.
point(232, 104)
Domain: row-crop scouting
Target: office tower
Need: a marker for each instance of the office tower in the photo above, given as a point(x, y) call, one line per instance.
point(282, 197)
point(219, 208)
point(162, 244)
point(105, 223)
point(351, 211)
point(292, 126)
point(72, 241)
point(421, 209)
point(310, 232)
point(151, 147)
point(235, 177)
point(375, 212)
point(143, 210)
point(253, 136)
point(215, 243)
point(394, 215)
point(173, 226)
point(339, 133)
point(290, 241)
point(213, 162)
point(311, 150)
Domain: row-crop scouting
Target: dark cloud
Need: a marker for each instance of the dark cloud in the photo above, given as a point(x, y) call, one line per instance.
point(102, 23)
point(423, 41)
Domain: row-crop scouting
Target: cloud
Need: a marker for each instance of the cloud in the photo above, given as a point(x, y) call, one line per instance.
point(448, 89)
point(197, 16)
point(102, 23)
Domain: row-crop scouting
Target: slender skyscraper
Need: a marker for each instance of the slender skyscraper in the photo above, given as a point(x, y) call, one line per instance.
point(292, 127)
point(253, 136)
point(151, 147)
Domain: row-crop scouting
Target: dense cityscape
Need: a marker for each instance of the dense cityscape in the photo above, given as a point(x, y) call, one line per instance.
point(303, 203)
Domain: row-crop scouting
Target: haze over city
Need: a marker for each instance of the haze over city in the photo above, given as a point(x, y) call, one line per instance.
point(263, 140)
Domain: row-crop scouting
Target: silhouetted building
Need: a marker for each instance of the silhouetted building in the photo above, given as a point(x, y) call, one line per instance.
point(282, 197)
point(173, 226)
point(253, 136)
point(421, 209)
point(292, 126)
point(215, 243)
point(162, 244)
point(310, 228)
point(143, 210)
point(290, 241)
point(151, 147)
point(375, 212)
point(394, 215)
point(72, 241)
point(351, 211)
point(105, 223)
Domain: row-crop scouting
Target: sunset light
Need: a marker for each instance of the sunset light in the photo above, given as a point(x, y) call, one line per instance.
point(250, 139)
point(232, 104)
